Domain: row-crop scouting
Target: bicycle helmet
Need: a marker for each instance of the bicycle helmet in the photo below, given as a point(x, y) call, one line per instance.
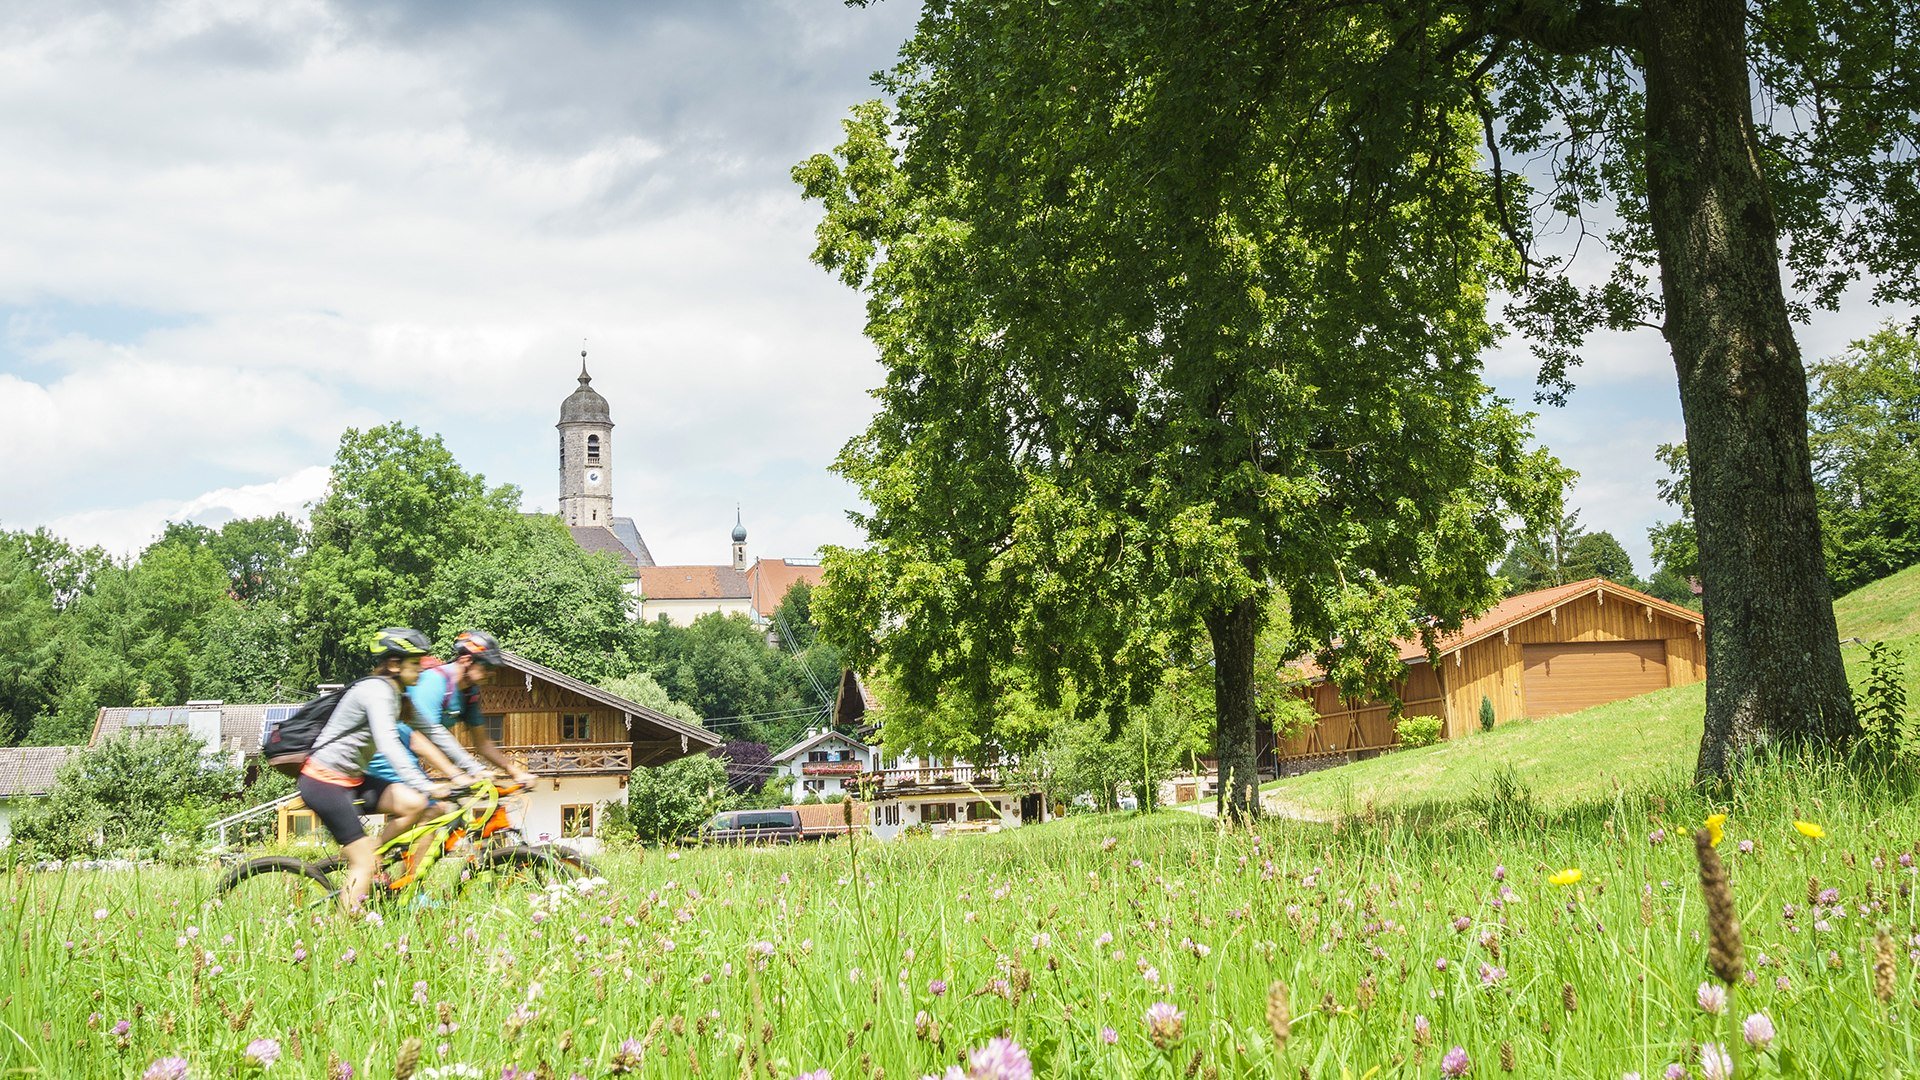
point(478, 644)
point(399, 643)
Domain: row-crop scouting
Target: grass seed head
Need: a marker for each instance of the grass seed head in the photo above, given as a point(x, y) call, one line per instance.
point(1506, 1056)
point(1883, 965)
point(1279, 1014)
point(408, 1060)
point(1724, 953)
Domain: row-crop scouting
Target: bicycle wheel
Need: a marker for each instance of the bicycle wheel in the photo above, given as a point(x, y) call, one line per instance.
point(506, 868)
point(273, 886)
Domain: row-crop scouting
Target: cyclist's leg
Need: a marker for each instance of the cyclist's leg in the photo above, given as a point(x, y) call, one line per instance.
point(336, 808)
point(403, 808)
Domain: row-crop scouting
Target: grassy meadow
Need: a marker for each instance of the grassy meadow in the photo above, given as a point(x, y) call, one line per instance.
point(1433, 929)
point(1394, 945)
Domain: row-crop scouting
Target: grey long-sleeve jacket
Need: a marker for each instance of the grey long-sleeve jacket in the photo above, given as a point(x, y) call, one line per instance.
point(363, 721)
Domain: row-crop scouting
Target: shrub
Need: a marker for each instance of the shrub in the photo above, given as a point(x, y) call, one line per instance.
point(1418, 731)
point(1486, 714)
point(1881, 702)
point(1507, 802)
point(670, 802)
point(139, 793)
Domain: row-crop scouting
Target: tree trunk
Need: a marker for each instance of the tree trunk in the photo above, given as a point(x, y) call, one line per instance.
point(1773, 655)
point(1232, 630)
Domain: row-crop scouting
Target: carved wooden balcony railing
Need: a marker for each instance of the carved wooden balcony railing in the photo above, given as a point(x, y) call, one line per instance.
point(563, 758)
point(938, 777)
point(832, 768)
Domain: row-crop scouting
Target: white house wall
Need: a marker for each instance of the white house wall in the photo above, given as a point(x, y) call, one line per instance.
point(885, 825)
point(683, 612)
point(541, 819)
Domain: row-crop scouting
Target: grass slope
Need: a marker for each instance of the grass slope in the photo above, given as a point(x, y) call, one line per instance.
point(1572, 759)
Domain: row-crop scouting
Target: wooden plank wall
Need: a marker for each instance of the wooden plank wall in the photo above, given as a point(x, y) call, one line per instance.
point(1492, 667)
point(533, 718)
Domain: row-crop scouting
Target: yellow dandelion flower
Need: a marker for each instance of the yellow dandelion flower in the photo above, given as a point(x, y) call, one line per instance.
point(1809, 830)
point(1570, 876)
point(1715, 822)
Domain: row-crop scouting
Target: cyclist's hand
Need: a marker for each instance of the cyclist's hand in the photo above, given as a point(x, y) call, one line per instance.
point(524, 779)
point(440, 791)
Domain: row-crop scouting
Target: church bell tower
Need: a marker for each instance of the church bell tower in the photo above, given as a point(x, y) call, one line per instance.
point(586, 455)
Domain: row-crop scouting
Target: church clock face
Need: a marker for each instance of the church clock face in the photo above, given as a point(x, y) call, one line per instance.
point(593, 476)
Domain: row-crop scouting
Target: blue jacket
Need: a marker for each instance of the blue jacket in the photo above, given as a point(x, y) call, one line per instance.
point(430, 699)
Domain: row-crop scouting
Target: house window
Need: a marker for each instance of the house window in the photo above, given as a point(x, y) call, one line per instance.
point(593, 449)
point(936, 811)
point(890, 814)
point(576, 727)
point(563, 453)
point(576, 820)
point(496, 727)
point(981, 811)
point(819, 755)
point(812, 785)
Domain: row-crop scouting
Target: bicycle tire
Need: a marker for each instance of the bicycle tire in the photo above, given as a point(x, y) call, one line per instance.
point(505, 867)
point(300, 873)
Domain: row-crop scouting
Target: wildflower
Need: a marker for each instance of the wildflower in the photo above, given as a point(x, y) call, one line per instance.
point(1422, 1030)
point(1490, 975)
point(817, 1074)
point(1000, 1059)
point(1042, 940)
point(262, 1052)
point(420, 992)
point(120, 1029)
point(1440, 964)
point(1657, 836)
point(1109, 1036)
point(764, 948)
point(1715, 1062)
point(1716, 828)
point(1165, 1023)
point(299, 954)
point(1675, 1071)
point(1109, 843)
point(1782, 984)
point(1103, 941)
point(1906, 859)
point(167, 1068)
point(1746, 847)
point(1712, 998)
point(1500, 872)
point(1758, 1029)
point(1570, 876)
point(1455, 1062)
point(1461, 924)
point(1812, 832)
point(1829, 896)
point(99, 914)
point(937, 987)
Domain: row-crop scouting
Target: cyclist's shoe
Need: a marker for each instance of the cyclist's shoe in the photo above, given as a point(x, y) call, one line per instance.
point(423, 902)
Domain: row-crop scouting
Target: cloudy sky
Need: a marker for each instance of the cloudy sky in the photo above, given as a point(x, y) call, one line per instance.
point(235, 227)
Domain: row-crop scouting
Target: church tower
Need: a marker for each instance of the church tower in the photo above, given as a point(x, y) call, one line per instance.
point(739, 542)
point(586, 455)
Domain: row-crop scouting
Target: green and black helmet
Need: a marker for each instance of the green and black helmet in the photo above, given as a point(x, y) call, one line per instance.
point(399, 643)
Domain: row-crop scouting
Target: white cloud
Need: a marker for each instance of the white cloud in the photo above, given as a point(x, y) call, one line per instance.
point(125, 530)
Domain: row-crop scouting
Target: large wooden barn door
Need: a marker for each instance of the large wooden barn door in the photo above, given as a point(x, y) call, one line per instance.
point(1567, 676)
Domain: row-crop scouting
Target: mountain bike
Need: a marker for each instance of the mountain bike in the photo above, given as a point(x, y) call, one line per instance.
point(496, 857)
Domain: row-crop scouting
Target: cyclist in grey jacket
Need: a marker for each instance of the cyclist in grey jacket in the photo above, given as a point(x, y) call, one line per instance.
point(334, 781)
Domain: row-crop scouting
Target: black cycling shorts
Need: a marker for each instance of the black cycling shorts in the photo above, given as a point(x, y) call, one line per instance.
point(339, 808)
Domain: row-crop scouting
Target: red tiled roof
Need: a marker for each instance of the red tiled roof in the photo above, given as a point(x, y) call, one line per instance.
point(769, 580)
point(1515, 609)
point(692, 583)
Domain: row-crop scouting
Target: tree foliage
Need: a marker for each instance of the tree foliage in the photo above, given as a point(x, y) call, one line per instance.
point(666, 803)
point(1865, 418)
point(1151, 359)
point(398, 509)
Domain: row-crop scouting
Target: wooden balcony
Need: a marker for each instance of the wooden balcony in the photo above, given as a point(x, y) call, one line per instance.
point(563, 759)
point(938, 778)
point(832, 768)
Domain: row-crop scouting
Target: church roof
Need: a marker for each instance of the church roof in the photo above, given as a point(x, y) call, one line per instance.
point(585, 405)
point(692, 583)
point(629, 534)
point(595, 539)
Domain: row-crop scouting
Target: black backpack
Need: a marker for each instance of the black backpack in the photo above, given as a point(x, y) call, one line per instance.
point(286, 744)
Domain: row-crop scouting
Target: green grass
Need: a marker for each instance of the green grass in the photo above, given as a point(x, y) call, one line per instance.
point(779, 963)
point(1576, 758)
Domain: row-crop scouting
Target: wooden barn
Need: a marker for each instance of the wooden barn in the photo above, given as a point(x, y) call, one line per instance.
point(1541, 653)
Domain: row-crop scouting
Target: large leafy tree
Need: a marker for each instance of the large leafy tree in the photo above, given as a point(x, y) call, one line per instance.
point(1866, 456)
point(1639, 120)
point(399, 507)
point(1164, 336)
point(27, 655)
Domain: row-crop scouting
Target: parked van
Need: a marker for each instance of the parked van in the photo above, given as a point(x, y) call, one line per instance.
point(752, 827)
